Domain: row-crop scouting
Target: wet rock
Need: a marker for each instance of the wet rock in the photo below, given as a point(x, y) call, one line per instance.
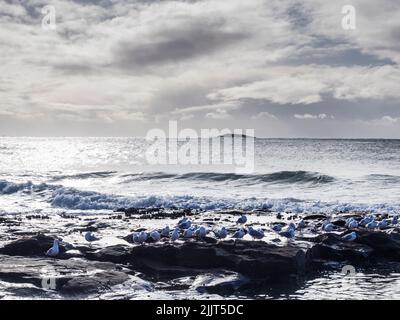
point(95, 283)
point(32, 246)
point(252, 259)
point(73, 276)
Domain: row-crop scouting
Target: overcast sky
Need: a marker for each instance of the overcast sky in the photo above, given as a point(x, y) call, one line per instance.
point(286, 68)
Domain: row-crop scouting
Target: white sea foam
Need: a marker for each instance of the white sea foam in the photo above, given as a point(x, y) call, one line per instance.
point(71, 198)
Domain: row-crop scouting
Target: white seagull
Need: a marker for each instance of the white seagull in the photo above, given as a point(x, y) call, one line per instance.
point(372, 225)
point(155, 235)
point(142, 236)
point(90, 237)
point(175, 234)
point(277, 227)
point(242, 220)
point(54, 250)
point(289, 232)
point(352, 224)
point(165, 232)
point(185, 224)
point(221, 233)
point(256, 234)
point(301, 224)
point(239, 234)
point(201, 232)
point(350, 237)
point(383, 224)
point(188, 233)
point(328, 227)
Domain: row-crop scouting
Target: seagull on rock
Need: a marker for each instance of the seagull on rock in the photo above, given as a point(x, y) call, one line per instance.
point(165, 232)
point(90, 237)
point(372, 225)
point(54, 250)
point(188, 233)
point(155, 236)
point(140, 237)
point(201, 232)
point(383, 224)
point(242, 220)
point(175, 235)
point(350, 237)
point(366, 220)
point(353, 224)
point(256, 234)
point(328, 227)
point(277, 227)
point(288, 232)
point(301, 224)
point(185, 223)
point(239, 234)
point(221, 233)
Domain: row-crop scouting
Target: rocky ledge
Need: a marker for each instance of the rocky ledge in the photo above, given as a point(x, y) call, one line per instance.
point(209, 265)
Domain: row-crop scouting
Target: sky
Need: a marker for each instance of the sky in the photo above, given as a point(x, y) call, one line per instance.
point(285, 68)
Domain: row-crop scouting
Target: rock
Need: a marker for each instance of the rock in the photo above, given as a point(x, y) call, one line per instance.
point(95, 283)
point(385, 245)
point(73, 276)
point(117, 254)
point(314, 217)
point(257, 260)
point(32, 246)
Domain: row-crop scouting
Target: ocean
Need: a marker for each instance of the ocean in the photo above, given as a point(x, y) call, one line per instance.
point(95, 176)
point(296, 175)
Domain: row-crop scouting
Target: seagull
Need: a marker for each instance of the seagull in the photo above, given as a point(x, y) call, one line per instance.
point(256, 234)
point(292, 226)
point(185, 224)
point(90, 237)
point(221, 233)
point(350, 237)
point(328, 227)
point(175, 235)
point(277, 228)
point(372, 225)
point(366, 220)
point(54, 250)
point(383, 224)
point(301, 224)
point(142, 237)
point(289, 232)
point(239, 234)
point(242, 220)
point(184, 219)
point(135, 237)
point(188, 233)
point(155, 235)
point(348, 221)
point(201, 232)
point(165, 232)
point(352, 224)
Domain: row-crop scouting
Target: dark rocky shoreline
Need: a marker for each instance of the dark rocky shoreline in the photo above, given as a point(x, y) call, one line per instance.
point(227, 267)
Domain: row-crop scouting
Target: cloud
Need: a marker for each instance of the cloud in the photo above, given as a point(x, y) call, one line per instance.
point(218, 114)
point(264, 115)
point(308, 116)
point(112, 61)
point(390, 119)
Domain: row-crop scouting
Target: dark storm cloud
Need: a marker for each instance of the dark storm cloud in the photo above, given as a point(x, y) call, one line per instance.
point(174, 45)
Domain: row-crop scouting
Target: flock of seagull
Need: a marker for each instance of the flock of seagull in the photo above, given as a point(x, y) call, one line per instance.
point(186, 229)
